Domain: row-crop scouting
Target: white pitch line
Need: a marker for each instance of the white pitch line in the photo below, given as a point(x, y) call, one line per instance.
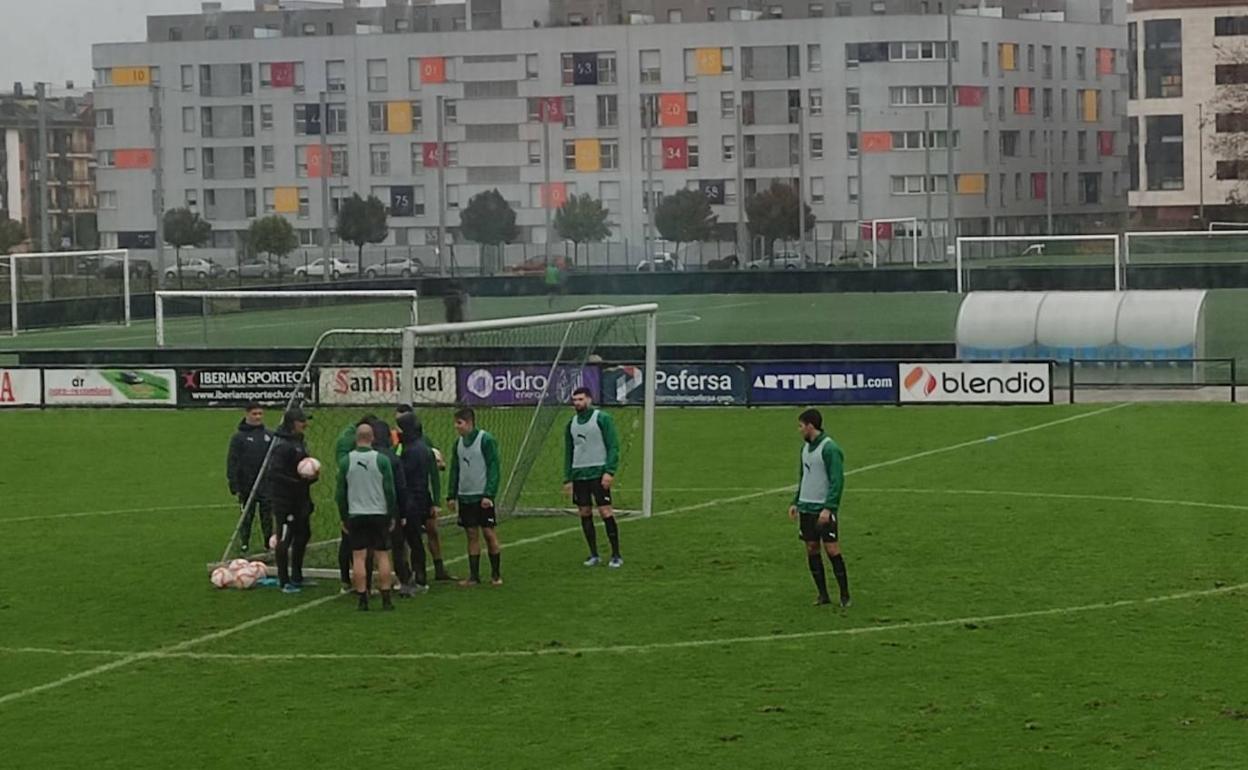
point(116, 512)
point(651, 646)
point(1054, 496)
point(182, 646)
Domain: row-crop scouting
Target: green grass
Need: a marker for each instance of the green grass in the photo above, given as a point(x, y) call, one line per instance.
point(1144, 684)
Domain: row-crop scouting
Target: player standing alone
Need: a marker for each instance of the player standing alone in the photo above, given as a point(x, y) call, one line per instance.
point(248, 448)
point(821, 480)
point(475, 475)
point(590, 459)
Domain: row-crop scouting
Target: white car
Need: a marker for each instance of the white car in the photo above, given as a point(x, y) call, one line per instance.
point(195, 266)
point(316, 269)
point(402, 267)
point(782, 260)
point(662, 262)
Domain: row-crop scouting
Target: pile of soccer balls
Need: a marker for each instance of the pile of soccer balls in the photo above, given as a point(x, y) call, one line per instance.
point(240, 574)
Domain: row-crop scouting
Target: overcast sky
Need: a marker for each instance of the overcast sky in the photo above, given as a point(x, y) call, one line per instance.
point(51, 40)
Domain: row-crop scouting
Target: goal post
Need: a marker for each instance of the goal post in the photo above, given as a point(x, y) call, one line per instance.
point(1037, 249)
point(206, 304)
point(517, 374)
point(12, 262)
point(912, 228)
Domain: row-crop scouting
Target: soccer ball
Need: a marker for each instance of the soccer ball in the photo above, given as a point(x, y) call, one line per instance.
point(272, 542)
point(238, 565)
point(309, 467)
point(437, 457)
point(245, 579)
point(261, 569)
point(222, 577)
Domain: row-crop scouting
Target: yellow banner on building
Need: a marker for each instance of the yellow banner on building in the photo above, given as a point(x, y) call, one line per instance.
point(399, 117)
point(710, 61)
point(1091, 106)
point(972, 184)
point(286, 200)
point(132, 76)
point(588, 155)
point(1009, 56)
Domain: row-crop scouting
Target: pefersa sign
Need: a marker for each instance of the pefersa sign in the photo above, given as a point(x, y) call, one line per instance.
point(804, 382)
point(523, 385)
point(238, 385)
point(975, 383)
point(380, 385)
point(677, 384)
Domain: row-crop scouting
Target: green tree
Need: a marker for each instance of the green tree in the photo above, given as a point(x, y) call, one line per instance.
point(488, 219)
point(684, 217)
point(582, 219)
point(11, 234)
point(184, 227)
point(272, 235)
point(362, 221)
point(773, 214)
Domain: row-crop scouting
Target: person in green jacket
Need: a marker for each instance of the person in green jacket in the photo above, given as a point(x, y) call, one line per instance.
point(476, 470)
point(368, 507)
point(817, 502)
point(591, 457)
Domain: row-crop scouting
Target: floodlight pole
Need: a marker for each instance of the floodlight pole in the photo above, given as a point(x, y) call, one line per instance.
point(326, 167)
point(45, 279)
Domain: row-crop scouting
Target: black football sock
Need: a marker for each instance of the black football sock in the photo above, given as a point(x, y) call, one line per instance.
point(344, 560)
point(386, 604)
point(495, 560)
point(362, 599)
point(474, 567)
point(591, 535)
point(816, 572)
point(838, 569)
point(613, 534)
point(439, 569)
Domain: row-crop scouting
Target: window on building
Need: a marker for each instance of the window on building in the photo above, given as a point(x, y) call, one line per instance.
point(1081, 63)
point(851, 100)
point(851, 144)
point(916, 96)
point(450, 111)
point(727, 105)
point(378, 74)
point(106, 199)
point(188, 77)
point(1163, 59)
point(1046, 104)
point(815, 10)
point(1009, 144)
point(814, 101)
point(649, 63)
point(379, 159)
point(189, 157)
point(268, 158)
point(1224, 26)
point(609, 154)
point(816, 146)
point(1163, 152)
point(266, 117)
point(530, 66)
point(1090, 187)
point(336, 119)
point(1081, 146)
point(1046, 61)
point(336, 75)
point(1031, 57)
point(608, 111)
point(814, 57)
point(728, 148)
point(188, 120)
point(818, 190)
point(1230, 74)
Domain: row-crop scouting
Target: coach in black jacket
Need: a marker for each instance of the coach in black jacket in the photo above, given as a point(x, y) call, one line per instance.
point(248, 447)
point(292, 499)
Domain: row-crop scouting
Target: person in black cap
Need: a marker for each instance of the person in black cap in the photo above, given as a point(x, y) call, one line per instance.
point(248, 448)
point(292, 500)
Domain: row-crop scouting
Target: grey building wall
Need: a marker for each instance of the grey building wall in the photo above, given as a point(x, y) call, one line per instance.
point(491, 74)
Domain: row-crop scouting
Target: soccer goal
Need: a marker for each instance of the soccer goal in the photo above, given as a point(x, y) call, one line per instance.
point(81, 275)
point(1228, 226)
point(1162, 247)
point(1036, 251)
point(517, 374)
point(274, 318)
point(884, 233)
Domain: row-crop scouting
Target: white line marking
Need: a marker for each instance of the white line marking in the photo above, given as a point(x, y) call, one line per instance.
point(1054, 496)
point(116, 512)
point(654, 646)
point(167, 650)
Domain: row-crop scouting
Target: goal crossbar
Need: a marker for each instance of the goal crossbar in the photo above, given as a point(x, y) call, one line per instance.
point(875, 239)
point(161, 296)
point(14, 259)
point(965, 239)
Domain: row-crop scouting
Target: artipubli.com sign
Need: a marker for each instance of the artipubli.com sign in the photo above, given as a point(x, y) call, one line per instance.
point(522, 385)
point(677, 384)
point(112, 387)
point(975, 383)
point(823, 383)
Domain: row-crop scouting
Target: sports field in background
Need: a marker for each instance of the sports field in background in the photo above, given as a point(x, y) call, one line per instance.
point(1073, 593)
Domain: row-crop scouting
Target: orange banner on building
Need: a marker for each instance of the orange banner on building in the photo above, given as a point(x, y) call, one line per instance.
point(132, 76)
point(588, 155)
point(399, 117)
point(135, 158)
point(972, 184)
point(316, 162)
point(1105, 61)
point(554, 195)
point(1091, 105)
point(709, 61)
point(1022, 101)
point(876, 141)
point(286, 200)
point(672, 110)
point(1009, 56)
point(433, 70)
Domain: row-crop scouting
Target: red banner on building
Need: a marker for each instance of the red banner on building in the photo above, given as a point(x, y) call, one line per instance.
point(282, 74)
point(1039, 186)
point(552, 109)
point(433, 70)
point(673, 110)
point(554, 195)
point(880, 231)
point(970, 96)
point(876, 141)
point(134, 158)
point(675, 153)
point(1105, 61)
point(316, 161)
point(431, 155)
point(1105, 142)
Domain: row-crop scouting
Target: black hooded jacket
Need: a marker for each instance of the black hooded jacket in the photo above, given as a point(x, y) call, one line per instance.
point(289, 492)
point(248, 447)
point(420, 467)
point(381, 442)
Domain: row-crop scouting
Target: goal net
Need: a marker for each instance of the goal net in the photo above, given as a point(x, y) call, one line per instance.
point(1022, 251)
point(517, 374)
point(78, 288)
point(1162, 247)
point(240, 319)
point(892, 241)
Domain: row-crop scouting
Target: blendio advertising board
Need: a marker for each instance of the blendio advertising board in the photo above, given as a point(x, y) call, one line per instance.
point(111, 387)
point(380, 385)
point(20, 387)
point(973, 383)
point(524, 385)
point(238, 385)
point(805, 382)
point(677, 384)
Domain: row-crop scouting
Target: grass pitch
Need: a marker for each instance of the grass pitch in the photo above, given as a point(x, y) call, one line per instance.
point(1071, 594)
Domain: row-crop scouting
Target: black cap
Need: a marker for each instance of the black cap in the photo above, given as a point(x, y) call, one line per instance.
point(295, 414)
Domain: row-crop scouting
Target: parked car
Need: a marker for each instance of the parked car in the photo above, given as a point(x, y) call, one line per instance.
point(399, 266)
point(661, 262)
point(195, 266)
point(316, 269)
point(782, 260)
point(537, 265)
point(110, 266)
point(728, 262)
point(258, 269)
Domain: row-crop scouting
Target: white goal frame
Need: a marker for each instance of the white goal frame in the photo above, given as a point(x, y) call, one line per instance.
point(1037, 239)
point(15, 281)
point(410, 294)
point(1220, 226)
point(875, 241)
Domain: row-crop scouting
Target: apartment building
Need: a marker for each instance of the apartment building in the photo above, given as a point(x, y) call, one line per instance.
point(426, 105)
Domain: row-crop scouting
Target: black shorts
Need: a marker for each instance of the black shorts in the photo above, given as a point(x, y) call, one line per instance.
point(589, 492)
point(473, 515)
point(369, 533)
point(809, 530)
